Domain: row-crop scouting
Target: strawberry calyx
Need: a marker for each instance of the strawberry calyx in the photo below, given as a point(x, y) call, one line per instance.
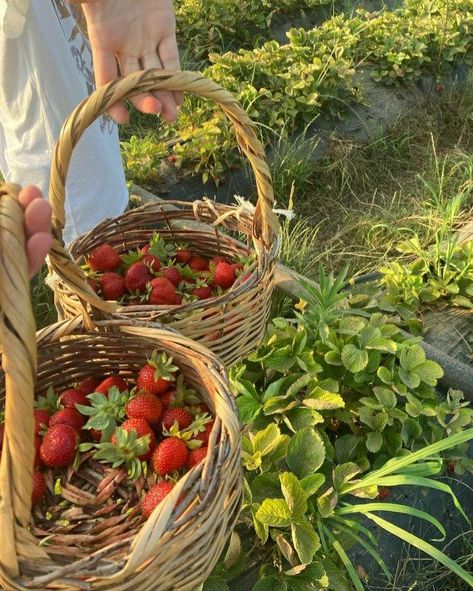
point(131, 257)
point(50, 402)
point(163, 364)
point(198, 424)
point(159, 248)
point(105, 411)
point(185, 435)
point(126, 452)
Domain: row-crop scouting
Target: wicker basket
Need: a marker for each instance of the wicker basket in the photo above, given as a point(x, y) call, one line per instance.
point(231, 325)
point(105, 544)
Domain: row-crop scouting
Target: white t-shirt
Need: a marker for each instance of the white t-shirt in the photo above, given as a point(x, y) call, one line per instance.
point(45, 71)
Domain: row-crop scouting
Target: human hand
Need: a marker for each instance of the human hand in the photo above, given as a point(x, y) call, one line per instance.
point(37, 226)
point(139, 34)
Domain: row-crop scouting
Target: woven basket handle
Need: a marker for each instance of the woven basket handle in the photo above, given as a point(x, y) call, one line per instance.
point(17, 334)
point(265, 225)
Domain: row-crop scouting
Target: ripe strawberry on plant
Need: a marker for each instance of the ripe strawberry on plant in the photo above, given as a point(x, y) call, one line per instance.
point(104, 258)
point(88, 385)
point(39, 487)
point(68, 416)
point(198, 263)
point(70, 397)
point(224, 275)
point(196, 456)
point(144, 406)
point(59, 446)
point(154, 496)
point(112, 285)
point(105, 412)
point(170, 455)
point(126, 448)
point(41, 420)
point(137, 277)
point(112, 382)
point(142, 429)
point(178, 415)
point(383, 493)
point(158, 374)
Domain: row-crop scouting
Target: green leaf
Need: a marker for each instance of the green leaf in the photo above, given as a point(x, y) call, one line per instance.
point(384, 375)
point(429, 372)
point(313, 574)
point(312, 483)
point(319, 399)
point(346, 448)
point(327, 502)
point(294, 494)
point(306, 541)
point(410, 378)
point(274, 513)
point(424, 546)
point(354, 359)
point(411, 430)
point(267, 440)
point(298, 418)
point(351, 325)
point(386, 397)
point(305, 453)
point(344, 473)
point(374, 441)
point(270, 584)
point(347, 563)
point(411, 357)
point(215, 583)
point(248, 407)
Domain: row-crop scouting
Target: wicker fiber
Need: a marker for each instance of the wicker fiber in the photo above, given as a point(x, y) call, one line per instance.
point(101, 542)
point(231, 325)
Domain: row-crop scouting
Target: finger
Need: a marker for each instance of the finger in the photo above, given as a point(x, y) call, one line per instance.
point(38, 217)
point(105, 69)
point(29, 194)
point(37, 247)
point(166, 98)
point(169, 56)
point(144, 102)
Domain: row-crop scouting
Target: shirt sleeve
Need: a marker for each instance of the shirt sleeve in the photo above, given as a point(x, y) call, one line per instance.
point(12, 17)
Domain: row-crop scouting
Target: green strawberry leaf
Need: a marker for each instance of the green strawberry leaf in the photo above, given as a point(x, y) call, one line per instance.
point(274, 513)
point(354, 359)
point(306, 541)
point(305, 453)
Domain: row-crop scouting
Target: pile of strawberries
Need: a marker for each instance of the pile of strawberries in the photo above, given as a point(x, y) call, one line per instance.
point(161, 274)
point(158, 426)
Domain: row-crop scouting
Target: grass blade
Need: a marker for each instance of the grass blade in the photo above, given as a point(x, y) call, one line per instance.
point(347, 563)
point(355, 526)
point(393, 508)
point(420, 544)
point(398, 464)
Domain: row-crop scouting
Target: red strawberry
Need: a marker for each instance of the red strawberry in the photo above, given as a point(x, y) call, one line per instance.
point(58, 449)
point(172, 273)
point(237, 268)
point(37, 444)
point(198, 263)
point(162, 293)
point(88, 385)
point(154, 496)
point(110, 382)
point(152, 262)
point(68, 416)
point(205, 435)
point(178, 300)
point(39, 487)
point(96, 435)
point(145, 406)
point(157, 375)
point(224, 275)
point(93, 284)
point(219, 259)
point(170, 455)
point(196, 456)
point(41, 418)
point(137, 277)
point(168, 398)
point(113, 286)
point(203, 293)
point(180, 415)
point(383, 493)
point(183, 255)
point(104, 258)
point(142, 428)
point(69, 398)
point(145, 249)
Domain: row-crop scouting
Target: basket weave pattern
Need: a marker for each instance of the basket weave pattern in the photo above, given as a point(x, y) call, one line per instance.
point(232, 324)
point(101, 542)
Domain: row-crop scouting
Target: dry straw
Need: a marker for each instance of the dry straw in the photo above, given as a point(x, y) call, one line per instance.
point(231, 325)
point(95, 538)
